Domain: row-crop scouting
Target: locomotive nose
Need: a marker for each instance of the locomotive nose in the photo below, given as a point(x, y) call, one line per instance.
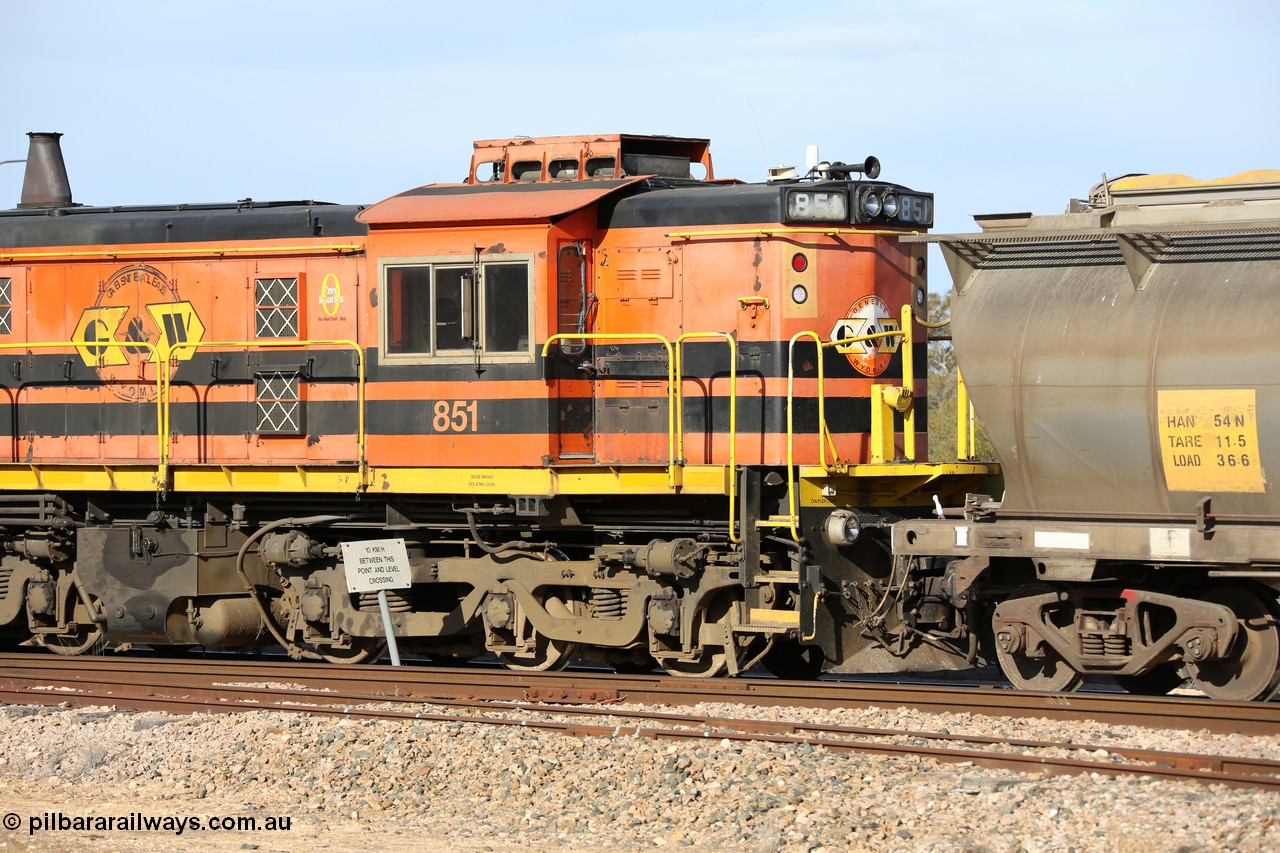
point(45, 183)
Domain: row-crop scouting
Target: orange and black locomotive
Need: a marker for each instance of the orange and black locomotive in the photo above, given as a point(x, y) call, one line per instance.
point(617, 409)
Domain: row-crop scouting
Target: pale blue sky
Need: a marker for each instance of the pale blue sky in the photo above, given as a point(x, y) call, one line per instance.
point(994, 106)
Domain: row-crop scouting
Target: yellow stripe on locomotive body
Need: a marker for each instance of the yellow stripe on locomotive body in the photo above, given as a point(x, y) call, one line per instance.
point(618, 409)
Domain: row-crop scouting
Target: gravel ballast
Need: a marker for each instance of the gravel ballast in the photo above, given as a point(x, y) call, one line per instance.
point(406, 785)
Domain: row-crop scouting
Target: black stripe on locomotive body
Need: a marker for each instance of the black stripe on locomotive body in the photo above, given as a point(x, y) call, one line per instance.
point(182, 223)
point(528, 415)
point(760, 359)
point(519, 416)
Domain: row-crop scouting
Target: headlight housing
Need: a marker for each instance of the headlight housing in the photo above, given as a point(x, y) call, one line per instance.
point(871, 205)
point(842, 528)
point(893, 206)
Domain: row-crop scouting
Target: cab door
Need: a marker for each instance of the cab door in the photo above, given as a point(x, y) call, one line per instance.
point(573, 401)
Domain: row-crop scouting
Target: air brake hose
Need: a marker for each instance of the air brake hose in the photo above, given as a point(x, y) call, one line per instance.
point(513, 545)
point(294, 651)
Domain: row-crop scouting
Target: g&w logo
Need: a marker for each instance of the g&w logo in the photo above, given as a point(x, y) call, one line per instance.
point(138, 319)
point(868, 316)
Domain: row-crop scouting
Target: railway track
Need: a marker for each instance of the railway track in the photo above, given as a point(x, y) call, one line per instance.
point(588, 705)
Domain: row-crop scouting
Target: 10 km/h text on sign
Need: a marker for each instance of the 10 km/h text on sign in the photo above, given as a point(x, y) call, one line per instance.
point(376, 564)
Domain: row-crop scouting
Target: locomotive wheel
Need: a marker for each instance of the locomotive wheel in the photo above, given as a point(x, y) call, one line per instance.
point(548, 655)
point(709, 665)
point(363, 650)
point(1160, 681)
point(1253, 669)
point(714, 659)
point(86, 640)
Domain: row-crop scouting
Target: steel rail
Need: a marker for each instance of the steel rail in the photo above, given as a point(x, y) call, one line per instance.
point(432, 683)
point(296, 697)
point(205, 694)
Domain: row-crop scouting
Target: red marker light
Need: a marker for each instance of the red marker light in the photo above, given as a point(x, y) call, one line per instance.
point(799, 262)
point(919, 266)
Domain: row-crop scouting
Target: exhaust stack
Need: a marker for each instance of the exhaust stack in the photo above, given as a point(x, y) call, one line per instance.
point(45, 183)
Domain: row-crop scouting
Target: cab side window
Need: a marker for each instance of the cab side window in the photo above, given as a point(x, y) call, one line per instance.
point(437, 311)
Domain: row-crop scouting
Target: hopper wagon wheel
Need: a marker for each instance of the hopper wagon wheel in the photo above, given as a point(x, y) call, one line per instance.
point(1251, 670)
point(1049, 673)
point(548, 655)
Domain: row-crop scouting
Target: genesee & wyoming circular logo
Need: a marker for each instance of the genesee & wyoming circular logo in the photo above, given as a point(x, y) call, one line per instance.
point(867, 316)
point(137, 320)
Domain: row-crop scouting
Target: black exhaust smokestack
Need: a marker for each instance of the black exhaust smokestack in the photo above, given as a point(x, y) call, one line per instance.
point(45, 184)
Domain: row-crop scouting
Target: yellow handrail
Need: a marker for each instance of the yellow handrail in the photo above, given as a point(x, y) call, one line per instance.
point(909, 383)
point(161, 445)
point(823, 433)
point(792, 475)
point(166, 354)
point(733, 417)
point(966, 427)
point(673, 394)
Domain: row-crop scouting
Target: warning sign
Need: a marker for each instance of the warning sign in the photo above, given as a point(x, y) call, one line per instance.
point(1209, 440)
point(376, 564)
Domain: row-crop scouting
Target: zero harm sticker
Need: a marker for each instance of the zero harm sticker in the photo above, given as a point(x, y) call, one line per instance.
point(1209, 441)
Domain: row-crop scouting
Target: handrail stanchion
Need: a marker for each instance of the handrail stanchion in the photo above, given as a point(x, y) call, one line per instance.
point(733, 417)
point(361, 438)
point(823, 432)
point(909, 383)
point(673, 394)
point(964, 420)
point(161, 446)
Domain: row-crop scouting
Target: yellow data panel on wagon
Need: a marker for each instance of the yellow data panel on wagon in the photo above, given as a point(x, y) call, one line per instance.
point(1209, 440)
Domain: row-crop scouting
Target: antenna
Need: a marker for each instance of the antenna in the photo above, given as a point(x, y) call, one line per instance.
point(810, 158)
point(759, 135)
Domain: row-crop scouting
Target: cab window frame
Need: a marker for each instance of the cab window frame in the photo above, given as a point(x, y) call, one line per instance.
point(396, 300)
